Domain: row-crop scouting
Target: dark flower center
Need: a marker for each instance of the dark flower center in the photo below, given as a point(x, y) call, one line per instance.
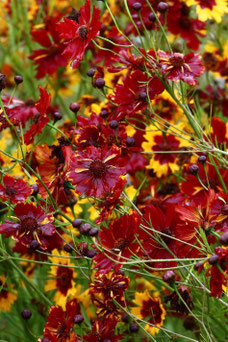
point(185, 23)
point(97, 168)
point(166, 239)
point(177, 60)
point(120, 244)
point(29, 224)
point(10, 191)
point(83, 31)
point(210, 61)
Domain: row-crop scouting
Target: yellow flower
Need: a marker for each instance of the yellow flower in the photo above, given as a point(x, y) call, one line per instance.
point(149, 307)
point(210, 9)
point(7, 295)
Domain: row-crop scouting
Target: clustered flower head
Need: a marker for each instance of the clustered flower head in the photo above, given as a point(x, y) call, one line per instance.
point(113, 170)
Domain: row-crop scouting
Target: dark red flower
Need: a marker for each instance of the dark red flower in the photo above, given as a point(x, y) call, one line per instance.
point(180, 23)
point(15, 190)
point(50, 58)
point(219, 275)
point(118, 242)
point(179, 67)
point(32, 224)
point(57, 157)
point(103, 330)
point(41, 118)
point(195, 191)
point(17, 111)
point(110, 201)
point(60, 323)
point(161, 243)
point(110, 285)
point(96, 171)
point(131, 96)
point(78, 33)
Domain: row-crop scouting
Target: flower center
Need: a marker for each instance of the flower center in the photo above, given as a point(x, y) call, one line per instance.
point(97, 168)
point(10, 191)
point(83, 31)
point(166, 239)
point(177, 60)
point(185, 22)
point(29, 224)
point(119, 244)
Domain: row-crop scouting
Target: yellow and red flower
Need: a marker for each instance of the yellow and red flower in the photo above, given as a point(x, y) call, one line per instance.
point(61, 278)
point(149, 307)
point(209, 9)
point(7, 295)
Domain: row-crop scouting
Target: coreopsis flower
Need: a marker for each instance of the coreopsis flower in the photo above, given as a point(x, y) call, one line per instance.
point(195, 191)
point(79, 32)
point(7, 295)
point(60, 323)
point(118, 242)
point(41, 118)
point(96, 171)
point(219, 272)
point(162, 242)
point(177, 303)
point(162, 163)
point(32, 224)
point(61, 278)
point(110, 285)
point(54, 177)
point(179, 67)
point(103, 330)
point(149, 307)
point(17, 111)
point(179, 22)
point(110, 200)
point(131, 96)
point(50, 57)
point(209, 9)
point(15, 190)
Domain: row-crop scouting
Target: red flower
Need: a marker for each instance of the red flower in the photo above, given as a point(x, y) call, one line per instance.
point(118, 242)
point(60, 323)
point(41, 119)
point(179, 67)
point(180, 23)
point(96, 171)
point(164, 245)
point(15, 190)
point(50, 58)
point(110, 200)
point(219, 276)
point(110, 285)
point(78, 33)
point(54, 176)
point(102, 331)
point(18, 111)
point(32, 224)
point(131, 96)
